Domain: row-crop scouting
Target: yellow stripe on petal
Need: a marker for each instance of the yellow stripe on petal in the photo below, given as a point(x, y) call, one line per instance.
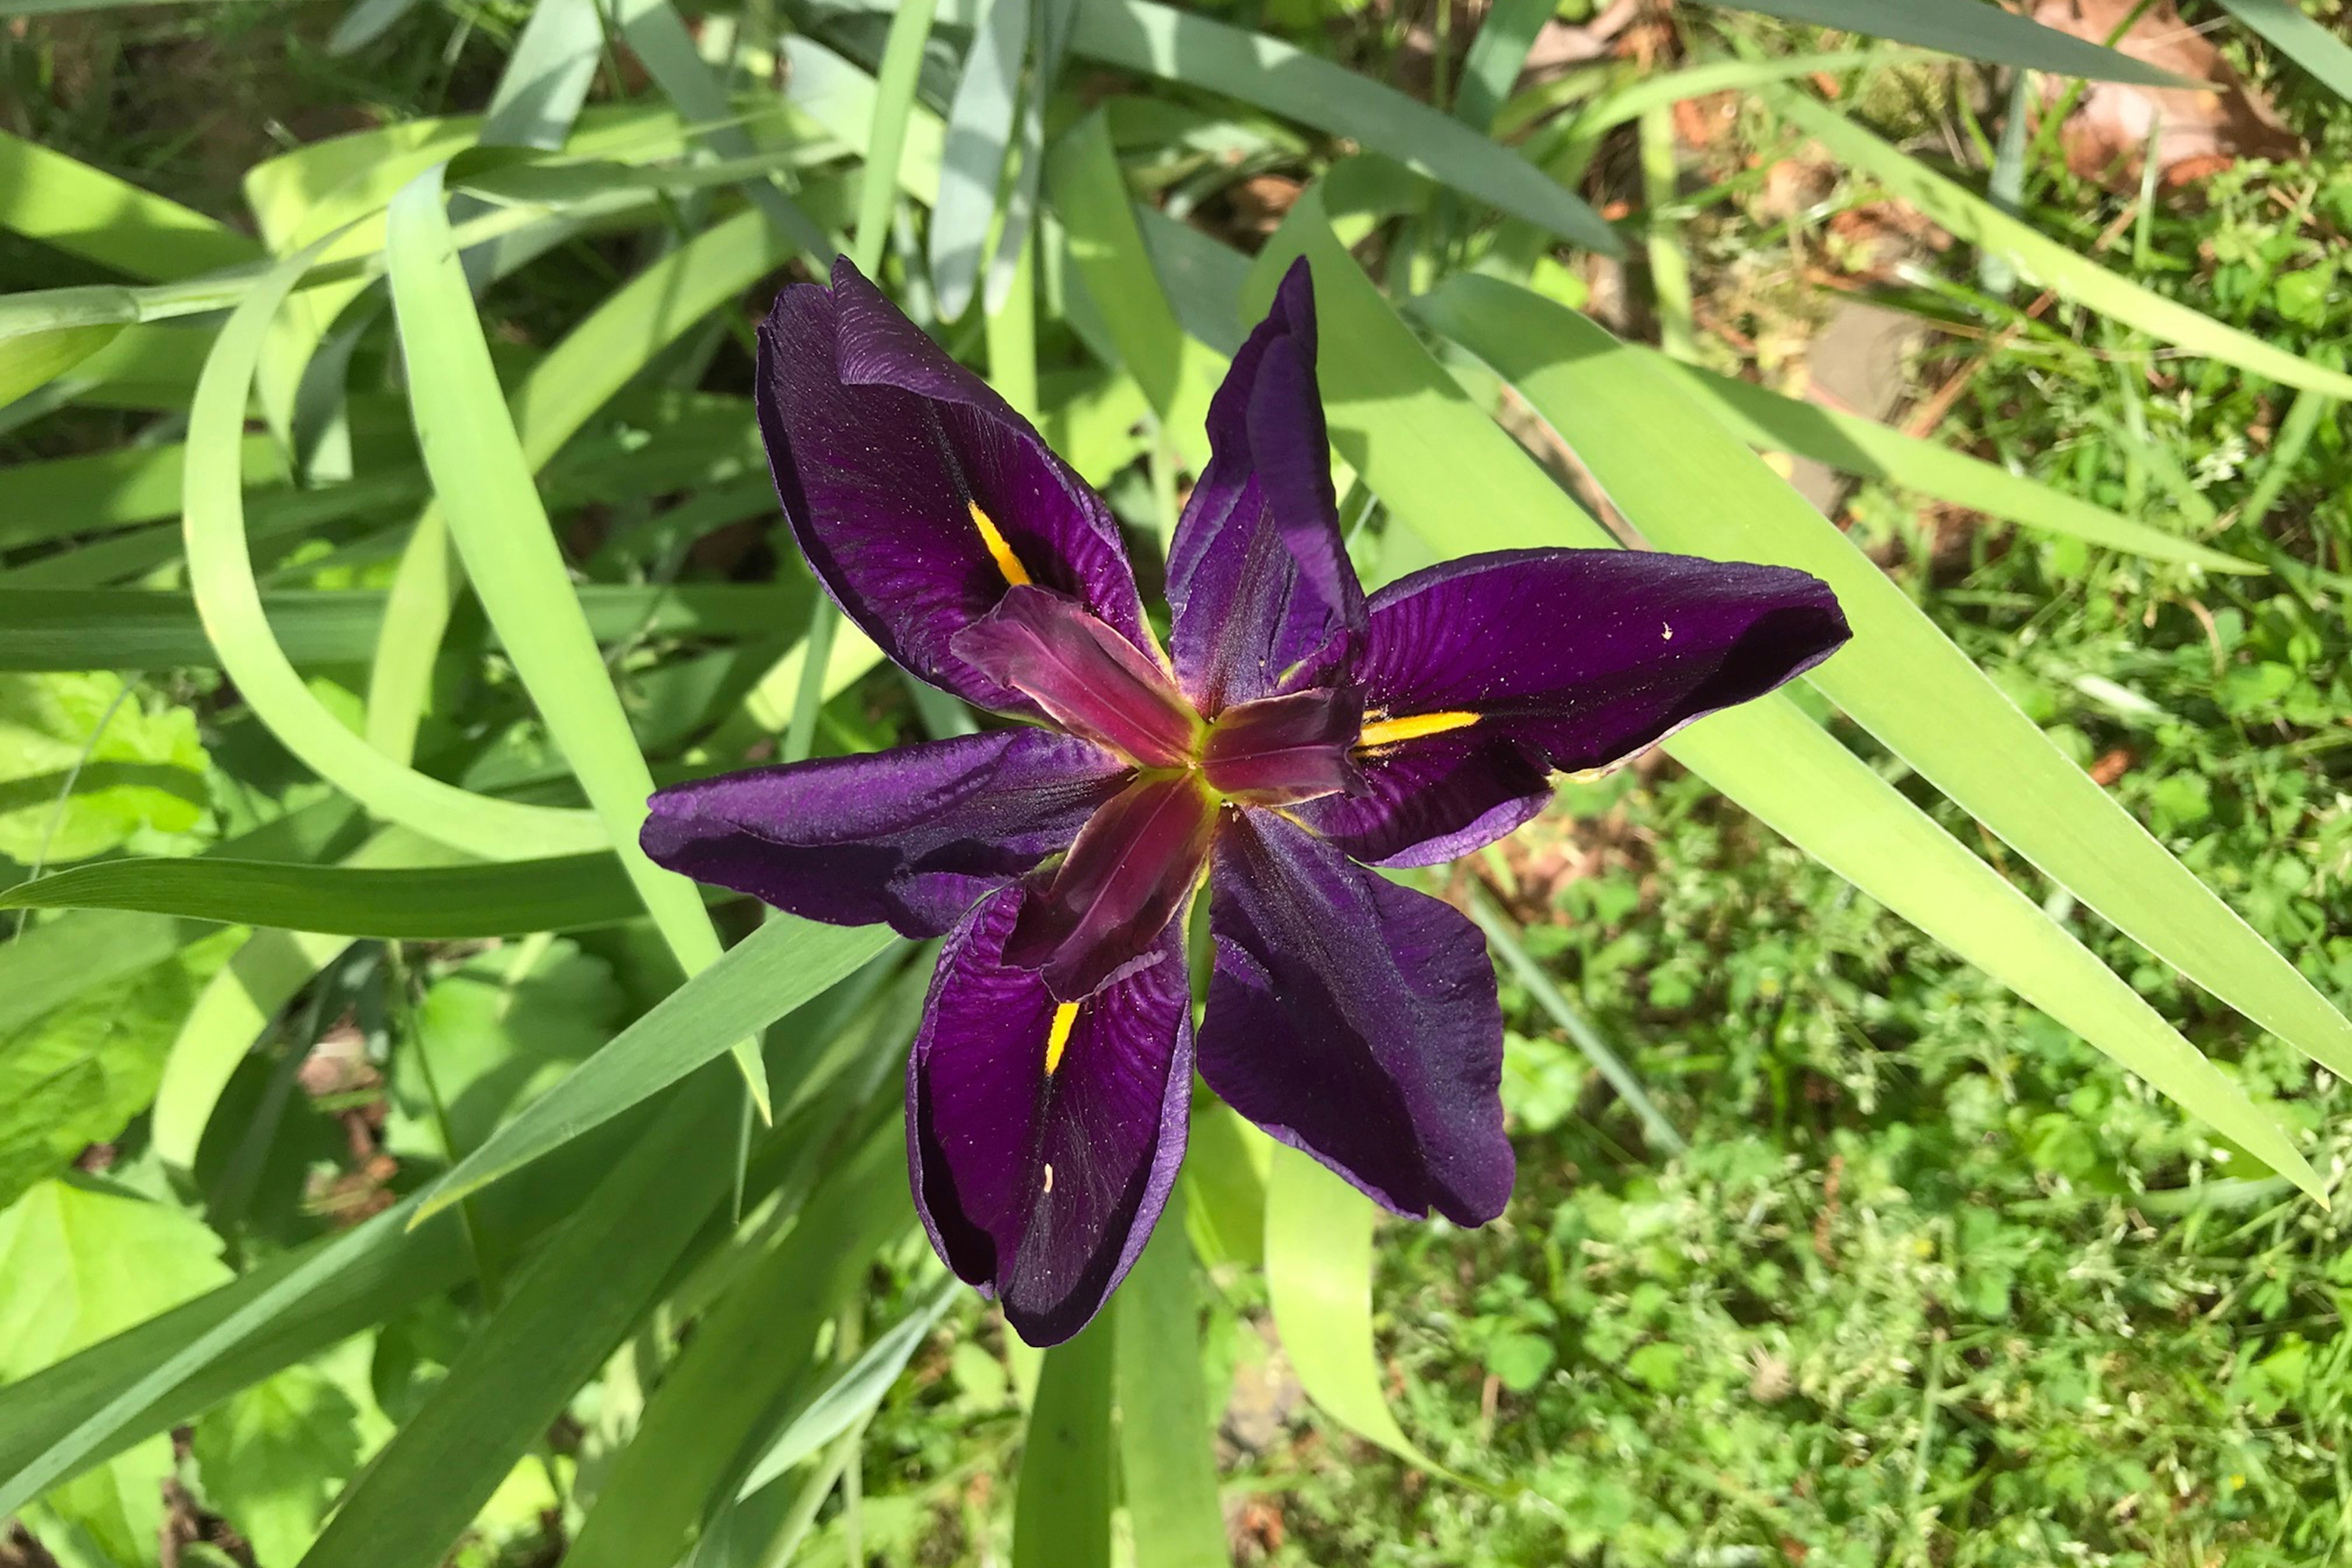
point(1388, 731)
point(998, 546)
point(1057, 1038)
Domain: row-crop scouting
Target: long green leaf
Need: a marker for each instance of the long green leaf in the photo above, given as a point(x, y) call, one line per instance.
point(425, 904)
point(806, 1425)
point(235, 1005)
point(979, 133)
point(1689, 488)
point(580, 1295)
point(1971, 218)
point(1062, 1500)
point(761, 978)
point(894, 104)
point(483, 482)
point(1447, 470)
point(1167, 1451)
point(30, 361)
point(220, 569)
point(1180, 47)
point(86, 212)
point(2309, 44)
point(1319, 1271)
point(1852, 445)
point(138, 628)
point(750, 1352)
point(1977, 32)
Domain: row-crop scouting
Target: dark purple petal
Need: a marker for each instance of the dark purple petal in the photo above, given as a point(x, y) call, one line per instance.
point(1040, 1184)
point(914, 837)
point(1131, 869)
point(1265, 598)
point(1356, 1020)
point(1087, 677)
point(1528, 662)
point(1279, 751)
point(894, 464)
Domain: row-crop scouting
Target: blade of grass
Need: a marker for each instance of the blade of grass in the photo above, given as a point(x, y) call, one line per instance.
point(1975, 32)
point(486, 493)
point(1497, 54)
point(807, 1425)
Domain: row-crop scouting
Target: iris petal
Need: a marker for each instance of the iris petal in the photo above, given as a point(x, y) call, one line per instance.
point(919, 495)
point(1265, 601)
point(913, 837)
point(1132, 868)
point(1356, 1020)
point(1087, 677)
point(1279, 751)
point(1568, 659)
point(1042, 1187)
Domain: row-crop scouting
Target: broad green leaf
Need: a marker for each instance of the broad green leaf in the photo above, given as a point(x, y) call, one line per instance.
point(422, 903)
point(86, 763)
point(82, 1263)
point(267, 972)
point(220, 571)
point(775, 969)
point(1062, 1497)
point(1497, 56)
point(1977, 32)
point(2303, 40)
point(1159, 40)
point(496, 1032)
point(1447, 471)
point(273, 1458)
point(1167, 1463)
point(79, 1075)
point(50, 965)
point(750, 1351)
point(1319, 1271)
point(838, 96)
point(1693, 489)
point(1977, 222)
point(86, 212)
point(578, 1296)
point(1852, 445)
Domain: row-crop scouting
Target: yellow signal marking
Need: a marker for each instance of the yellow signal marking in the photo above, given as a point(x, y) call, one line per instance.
point(1057, 1038)
point(998, 546)
point(1386, 731)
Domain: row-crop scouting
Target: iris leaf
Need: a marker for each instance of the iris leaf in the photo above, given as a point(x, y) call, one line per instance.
point(86, 212)
point(1167, 1454)
point(1902, 679)
point(1061, 1508)
point(1973, 31)
point(2309, 44)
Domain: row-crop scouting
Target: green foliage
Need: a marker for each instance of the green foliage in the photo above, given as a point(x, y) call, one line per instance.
point(70, 789)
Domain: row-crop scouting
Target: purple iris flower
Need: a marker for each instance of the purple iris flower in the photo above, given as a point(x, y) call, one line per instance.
point(1293, 733)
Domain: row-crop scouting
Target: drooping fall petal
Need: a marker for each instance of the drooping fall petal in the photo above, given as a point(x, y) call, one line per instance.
point(1356, 1020)
point(913, 837)
point(1043, 1138)
point(1483, 675)
point(1265, 599)
point(919, 495)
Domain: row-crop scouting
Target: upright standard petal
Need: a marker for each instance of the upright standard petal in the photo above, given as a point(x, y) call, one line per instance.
point(1265, 601)
point(1043, 1138)
point(913, 837)
point(919, 495)
point(1356, 1020)
point(1088, 679)
point(1483, 675)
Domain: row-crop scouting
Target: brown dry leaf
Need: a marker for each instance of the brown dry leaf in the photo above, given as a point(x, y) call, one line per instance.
point(2203, 130)
point(1260, 202)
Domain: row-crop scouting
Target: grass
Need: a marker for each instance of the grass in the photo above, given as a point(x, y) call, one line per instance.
point(1933, 1280)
